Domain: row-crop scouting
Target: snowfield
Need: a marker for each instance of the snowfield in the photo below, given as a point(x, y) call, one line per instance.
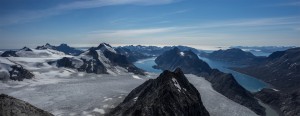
point(65, 92)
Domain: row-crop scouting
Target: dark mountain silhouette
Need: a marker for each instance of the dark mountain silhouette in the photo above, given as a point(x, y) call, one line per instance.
point(170, 94)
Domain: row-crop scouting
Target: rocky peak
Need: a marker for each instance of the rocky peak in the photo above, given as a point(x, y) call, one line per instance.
point(26, 49)
point(47, 46)
point(9, 53)
point(170, 94)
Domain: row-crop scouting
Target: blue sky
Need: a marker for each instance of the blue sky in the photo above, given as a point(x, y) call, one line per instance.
point(149, 22)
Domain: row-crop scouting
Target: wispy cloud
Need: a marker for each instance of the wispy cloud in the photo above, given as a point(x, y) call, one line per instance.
point(201, 28)
point(130, 32)
point(27, 16)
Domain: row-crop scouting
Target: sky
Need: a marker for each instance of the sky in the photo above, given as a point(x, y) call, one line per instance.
point(83, 23)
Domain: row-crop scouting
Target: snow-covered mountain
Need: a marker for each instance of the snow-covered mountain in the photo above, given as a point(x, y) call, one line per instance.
point(62, 48)
point(34, 53)
point(100, 60)
point(13, 71)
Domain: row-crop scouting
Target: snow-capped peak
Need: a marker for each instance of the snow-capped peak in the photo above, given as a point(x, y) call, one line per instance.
point(105, 46)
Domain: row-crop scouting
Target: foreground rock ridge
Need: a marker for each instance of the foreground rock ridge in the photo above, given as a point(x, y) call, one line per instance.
point(223, 83)
point(170, 94)
point(10, 106)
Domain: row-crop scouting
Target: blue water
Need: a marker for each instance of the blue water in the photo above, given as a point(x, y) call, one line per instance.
point(248, 82)
point(146, 64)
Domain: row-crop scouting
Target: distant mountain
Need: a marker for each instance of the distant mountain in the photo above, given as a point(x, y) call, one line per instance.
point(155, 51)
point(10, 106)
point(234, 55)
point(62, 48)
point(9, 53)
point(100, 60)
point(287, 103)
point(132, 56)
point(28, 52)
point(170, 94)
point(222, 82)
point(13, 71)
point(266, 49)
point(281, 69)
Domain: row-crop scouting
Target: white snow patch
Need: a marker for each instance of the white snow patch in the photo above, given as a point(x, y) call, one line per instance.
point(136, 77)
point(134, 99)
point(175, 82)
point(101, 111)
point(181, 54)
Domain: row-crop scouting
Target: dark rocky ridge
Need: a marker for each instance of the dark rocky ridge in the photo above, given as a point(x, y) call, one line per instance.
point(170, 94)
point(10, 106)
point(287, 103)
point(234, 55)
point(281, 69)
point(222, 82)
point(156, 51)
point(14, 72)
point(9, 53)
point(19, 73)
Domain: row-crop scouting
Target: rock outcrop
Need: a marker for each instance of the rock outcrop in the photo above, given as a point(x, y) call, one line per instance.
point(13, 71)
point(287, 103)
point(170, 94)
point(10, 106)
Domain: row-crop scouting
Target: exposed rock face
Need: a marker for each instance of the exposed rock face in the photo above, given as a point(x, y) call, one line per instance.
point(19, 73)
point(100, 60)
point(10, 106)
point(170, 94)
point(9, 53)
point(281, 69)
point(234, 55)
point(26, 49)
point(222, 82)
point(13, 71)
point(47, 46)
point(287, 103)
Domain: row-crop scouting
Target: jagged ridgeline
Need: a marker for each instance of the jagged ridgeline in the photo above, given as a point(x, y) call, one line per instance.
point(170, 94)
point(223, 83)
point(100, 60)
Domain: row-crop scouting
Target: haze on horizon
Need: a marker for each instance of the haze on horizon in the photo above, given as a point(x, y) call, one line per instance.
point(149, 22)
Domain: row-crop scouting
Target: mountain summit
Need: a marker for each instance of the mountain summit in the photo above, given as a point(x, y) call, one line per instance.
point(170, 94)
